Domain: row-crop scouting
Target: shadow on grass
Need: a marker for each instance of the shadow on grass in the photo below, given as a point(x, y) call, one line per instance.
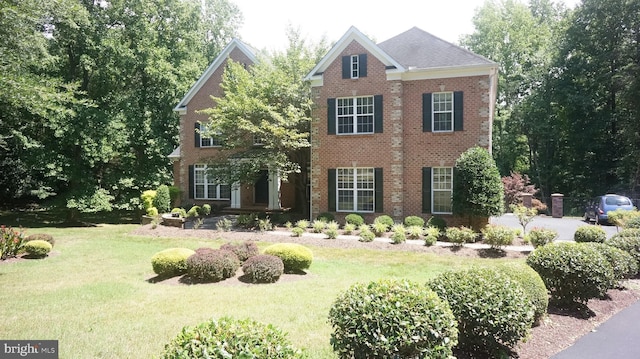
point(57, 218)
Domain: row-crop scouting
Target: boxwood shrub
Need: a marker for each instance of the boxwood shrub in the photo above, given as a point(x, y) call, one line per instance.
point(384, 219)
point(532, 284)
point(295, 257)
point(263, 268)
point(623, 264)
point(231, 338)
point(541, 236)
point(37, 248)
point(414, 221)
point(498, 236)
point(488, 305)
point(460, 235)
point(243, 250)
point(42, 237)
point(629, 241)
point(212, 265)
point(573, 272)
point(392, 319)
point(590, 234)
point(354, 219)
point(437, 222)
point(326, 217)
point(171, 262)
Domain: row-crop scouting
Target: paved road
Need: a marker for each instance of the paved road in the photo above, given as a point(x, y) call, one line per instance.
point(565, 226)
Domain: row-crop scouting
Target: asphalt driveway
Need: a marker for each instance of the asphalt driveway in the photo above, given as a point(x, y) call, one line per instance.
point(565, 226)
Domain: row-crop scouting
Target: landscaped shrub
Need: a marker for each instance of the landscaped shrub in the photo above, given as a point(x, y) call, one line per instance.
point(174, 194)
point(437, 222)
point(399, 234)
point(147, 198)
point(392, 319)
point(162, 201)
point(303, 223)
point(349, 228)
point(231, 338)
point(224, 224)
point(539, 237)
point(265, 225)
point(384, 219)
point(297, 231)
point(415, 232)
point(354, 219)
point(210, 265)
point(498, 236)
point(431, 235)
point(152, 211)
point(460, 235)
point(318, 226)
point(194, 212)
point(180, 211)
point(366, 235)
point(633, 222)
point(590, 234)
point(489, 309)
point(243, 250)
point(206, 209)
point(524, 215)
point(414, 221)
point(295, 257)
point(332, 230)
point(621, 217)
point(37, 248)
point(379, 228)
point(263, 268)
point(532, 284)
point(247, 220)
point(171, 262)
point(629, 241)
point(42, 237)
point(326, 216)
point(623, 264)
point(572, 272)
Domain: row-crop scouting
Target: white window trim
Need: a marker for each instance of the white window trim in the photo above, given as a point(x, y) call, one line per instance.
point(204, 129)
point(433, 112)
point(355, 67)
point(201, 167)
point(355, 190)
point(433, 190)
point(355, 116)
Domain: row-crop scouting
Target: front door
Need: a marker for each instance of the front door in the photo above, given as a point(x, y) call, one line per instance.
point(261, 188)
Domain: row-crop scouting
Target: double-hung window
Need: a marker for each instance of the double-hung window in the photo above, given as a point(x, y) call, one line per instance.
point(355, 115)
point(442, 111)
point(204, 188)
point(211, 141)
point(442, 189)
point(355, 189)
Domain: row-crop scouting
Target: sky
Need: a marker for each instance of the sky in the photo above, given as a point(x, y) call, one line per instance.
point(266, 21)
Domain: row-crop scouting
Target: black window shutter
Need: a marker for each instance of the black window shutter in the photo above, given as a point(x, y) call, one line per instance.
point(377, 116)
point(197, 136)
point(191, 182)
point(426, 112)
point(346, 67)
point(362, 63)
point(331, 116)
point(331, 180)
point(458, 103)
point(378, 182)
point(426, 189)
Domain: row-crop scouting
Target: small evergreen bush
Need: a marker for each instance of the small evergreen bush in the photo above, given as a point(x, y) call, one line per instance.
point(210, 265)
point(318, 226)
point(174, 194)
point(392, 319)
point(265, 225)
point(152, 211)
point(162, 201)
point(633, 223)
point(42, 237)
point(366, 235)
point(148, 198)
point(243, 250)
point(297, 231)
point(303, 223)
point(326, 216)
point(263, 268)
point(532, 284)
point(349, 228)
point(414, 221)
point(489, 309)
point(539, 237)
point(295, 257)
point(590, 234)
point(206, 209)
point(572, 272)
point(37, 248)
point(384, 219)
point(623, 264)
point(332, 229)
point(194, 212)
point(231, 338)
point(460, 235)
point(437, 222)
point(415, 232)
point(399, 234)
point(180, 211)
point(379, 228)
point(498, 236)
point(171, 262)
point(431, 235)
point(354, 219)
point(629, 241)
point(224, 224)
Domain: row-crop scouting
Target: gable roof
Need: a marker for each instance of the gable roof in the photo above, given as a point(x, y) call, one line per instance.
point(409, 55)
point(181, 107)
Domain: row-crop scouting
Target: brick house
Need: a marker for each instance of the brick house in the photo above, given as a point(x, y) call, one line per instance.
point(190, 158)
point(390, 120)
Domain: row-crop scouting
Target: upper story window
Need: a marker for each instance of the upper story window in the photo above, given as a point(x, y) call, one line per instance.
point(355, 115)
point(442, 111)
point(354, 66)
point(206, 141)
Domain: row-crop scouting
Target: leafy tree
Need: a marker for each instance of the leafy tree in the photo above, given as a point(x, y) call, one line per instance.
point(514, 185)
point(477, 186)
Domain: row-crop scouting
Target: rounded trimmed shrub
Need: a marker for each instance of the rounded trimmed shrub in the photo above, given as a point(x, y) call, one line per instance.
point(385, 219)
point(244, 250)
point(437, 222)
point(572, 272)
point(623, 264)
point(194, 211)
point(42, 237)
point(206, 209)
point(414, 221)
point(590, 234)
point(460, 235)
point(379, 228)
point(263, 268)
point(392, 319)
point(231, 338)
point(366, 235)
point(171, 262)
point(211, 265)
point(532, 284)
point(37, 248)
point(295, 257)
point(488, 307)
point(152, 211)
point(498, 236)
point(326, 217)
point(541, 236)
point(354, 219)
point(629, 241)
point(633, 223)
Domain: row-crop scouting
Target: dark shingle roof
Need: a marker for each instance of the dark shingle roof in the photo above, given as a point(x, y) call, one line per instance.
point(416, 48)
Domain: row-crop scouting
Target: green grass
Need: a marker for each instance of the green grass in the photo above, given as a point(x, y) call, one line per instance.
point(93, 294)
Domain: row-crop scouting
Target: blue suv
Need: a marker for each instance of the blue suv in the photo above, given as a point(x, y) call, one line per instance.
point(598, 207)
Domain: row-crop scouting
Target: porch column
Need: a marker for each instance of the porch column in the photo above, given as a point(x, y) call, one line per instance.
point(274, 189)
point(235, 195)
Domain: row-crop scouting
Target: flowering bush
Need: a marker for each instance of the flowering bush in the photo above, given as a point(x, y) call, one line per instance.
point(10, 242)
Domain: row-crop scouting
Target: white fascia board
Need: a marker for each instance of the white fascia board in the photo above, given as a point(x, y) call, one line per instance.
point(181, 107)
point(446, 72)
